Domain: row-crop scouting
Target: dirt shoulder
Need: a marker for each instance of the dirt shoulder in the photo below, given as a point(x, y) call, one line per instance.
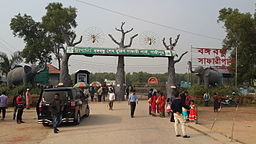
point(29, 132)
point(244, 126)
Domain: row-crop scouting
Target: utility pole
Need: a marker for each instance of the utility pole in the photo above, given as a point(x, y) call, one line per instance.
point(236, 69)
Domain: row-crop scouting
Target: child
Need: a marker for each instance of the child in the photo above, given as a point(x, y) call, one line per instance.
point(192, 113)
point(185, 113)
point(168, 106)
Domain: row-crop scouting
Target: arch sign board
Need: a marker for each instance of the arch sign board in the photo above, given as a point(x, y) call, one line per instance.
point(153, 80)
point(90, 51)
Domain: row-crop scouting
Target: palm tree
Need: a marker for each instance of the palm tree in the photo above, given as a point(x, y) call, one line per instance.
point(6, 63)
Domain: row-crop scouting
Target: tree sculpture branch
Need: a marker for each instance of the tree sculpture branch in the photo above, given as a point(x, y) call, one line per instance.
point(172, 45)
point(128, 31)
point(170, 40)
point(73, 38)
point(78, 42)
point(176, 40)
point(165, 45)
point(122, 28)
point(180, 57)
point(113, 39)
point(131, 39)
point(121, 43)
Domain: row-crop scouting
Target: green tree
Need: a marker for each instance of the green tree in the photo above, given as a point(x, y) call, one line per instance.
point(7, 63)
point(59, 23)
point(241, 35)
point(49, 36)
point(38, 45)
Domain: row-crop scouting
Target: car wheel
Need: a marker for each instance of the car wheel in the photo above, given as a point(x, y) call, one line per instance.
point(78, 118)
point(87, 111)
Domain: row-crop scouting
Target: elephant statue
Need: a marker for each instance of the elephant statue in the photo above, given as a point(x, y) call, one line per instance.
point(21, 75)
point(207, 76)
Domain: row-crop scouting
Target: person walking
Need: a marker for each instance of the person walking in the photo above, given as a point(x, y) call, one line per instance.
point(56, 108)
point(217, 101)
point(3, 104)
point(152, 102)
point(105, 92)
point(178, 118)
point(15, 107)
point(206, 98)
point(99, 92)
point(111, 97)
point(161, 104)
point(20, 106)
point(132, 100)
point(92, 91)
point(28, 98)
point(150, 94)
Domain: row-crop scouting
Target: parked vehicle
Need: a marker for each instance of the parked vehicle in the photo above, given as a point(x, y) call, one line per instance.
point(229, 101)
point(75, 105)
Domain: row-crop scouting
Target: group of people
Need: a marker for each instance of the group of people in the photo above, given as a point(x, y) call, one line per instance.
point(159, 104)
point(98, 93)
point(21, 101)
point(156, 103)
point(180, 109)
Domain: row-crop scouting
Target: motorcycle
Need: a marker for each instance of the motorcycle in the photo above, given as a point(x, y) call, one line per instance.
point(229, 101)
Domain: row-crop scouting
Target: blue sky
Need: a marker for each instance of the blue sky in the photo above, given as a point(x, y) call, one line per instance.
point(197, 16)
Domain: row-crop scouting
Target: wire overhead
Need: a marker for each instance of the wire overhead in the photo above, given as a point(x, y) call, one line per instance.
point(147, 21)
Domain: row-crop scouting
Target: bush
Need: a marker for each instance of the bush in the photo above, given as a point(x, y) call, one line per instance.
point(35, 91)
point(5, 89)
point(15, 91)
point(196, 90)
point(199, 90)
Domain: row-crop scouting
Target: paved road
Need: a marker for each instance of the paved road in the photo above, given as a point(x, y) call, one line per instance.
point(116, 127)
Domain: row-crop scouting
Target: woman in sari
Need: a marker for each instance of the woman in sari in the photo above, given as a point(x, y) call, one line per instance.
point(161, 104)
point(152, 102)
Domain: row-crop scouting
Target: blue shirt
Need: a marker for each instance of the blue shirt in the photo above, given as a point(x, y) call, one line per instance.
point(132, 98)
point(3, 101)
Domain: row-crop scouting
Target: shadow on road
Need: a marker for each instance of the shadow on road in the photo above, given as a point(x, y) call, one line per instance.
point(101, 119)
point(96, 119)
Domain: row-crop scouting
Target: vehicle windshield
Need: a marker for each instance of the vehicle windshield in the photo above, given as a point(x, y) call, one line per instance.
point(48, 96)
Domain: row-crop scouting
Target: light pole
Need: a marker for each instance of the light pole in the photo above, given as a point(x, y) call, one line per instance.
point(236, 69)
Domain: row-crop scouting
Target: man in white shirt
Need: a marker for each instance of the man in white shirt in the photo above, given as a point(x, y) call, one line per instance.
point(111, 97)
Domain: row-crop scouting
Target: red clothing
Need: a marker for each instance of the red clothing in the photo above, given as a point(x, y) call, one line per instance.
point(19, 100)
point(161, 103)
point(152, 101)
point(192, 112)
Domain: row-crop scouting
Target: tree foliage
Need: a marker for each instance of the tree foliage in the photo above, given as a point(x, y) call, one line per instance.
point(7, 63)
point(48, 36)
point(241, 34)
point(38, 45)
